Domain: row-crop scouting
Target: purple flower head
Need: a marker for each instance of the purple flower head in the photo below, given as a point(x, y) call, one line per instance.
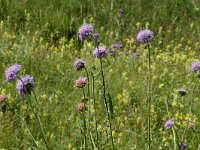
point(196, 66)
point(112, 52)
point(137, 55)
point(116, 46)
point(84, 31)
point(145, 36)
point(96, 36)
point(183, 145)
point(25, 85)
point(182, 91)
point(12, 72)
point(169, 124)
point(100, 52)
point(79, 64)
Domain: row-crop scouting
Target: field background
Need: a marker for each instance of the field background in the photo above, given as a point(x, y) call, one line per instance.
point(41, 35)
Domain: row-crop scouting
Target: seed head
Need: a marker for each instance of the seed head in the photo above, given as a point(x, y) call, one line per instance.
point(81, 107)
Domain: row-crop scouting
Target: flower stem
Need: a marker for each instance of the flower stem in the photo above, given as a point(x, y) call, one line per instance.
point(40, 124)
point(84, 132)
point(88, 94)
point(106, 103)
point(84, 126)
point(94, 100)
point(149, 97)
point(104, 93)
point(192, 95)
point(36, 115)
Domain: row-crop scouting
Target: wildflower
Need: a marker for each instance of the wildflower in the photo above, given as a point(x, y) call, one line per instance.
point(116, 46)
point(137, 55)
point(81, 82)
point(169, 124)
point(12, 72)
point(196, 66)
point(84, 31)
point(112, 52)
point(79, 64)
point(81, 107)
point(100, 52)
point(183, 145)
point(25, 85)
point(145, 36)
point(96, 36)
point(182, 91)
point(3, 98)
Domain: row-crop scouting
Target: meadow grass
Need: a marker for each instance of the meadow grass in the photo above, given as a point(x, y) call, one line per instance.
point(42, 37)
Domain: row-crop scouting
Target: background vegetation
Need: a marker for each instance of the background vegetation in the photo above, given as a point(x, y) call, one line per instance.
point(42, 37)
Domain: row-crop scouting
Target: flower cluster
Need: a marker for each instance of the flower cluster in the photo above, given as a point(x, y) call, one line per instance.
point(25, 85)
point(169, 124)
point(12, 72)
point(145, 36)
point(116, 46)
point(84, 31)
point(81, 82)
point(184, 145)
point(100, 52)
point(196, 66)
point(79, 64)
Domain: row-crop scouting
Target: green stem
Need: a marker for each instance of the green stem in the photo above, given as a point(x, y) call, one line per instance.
point(192, 96)
point(94, 102)
point(8, 105)
point(84, 130)
point(88, 93)
point(36, 115)
point(39, 123)
point(104, 94)
point(174, 135)
point(84, 126)
point(106, 103)
point(149, 97)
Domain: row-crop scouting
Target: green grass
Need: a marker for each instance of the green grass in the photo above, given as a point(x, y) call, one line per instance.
point(42, 37)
